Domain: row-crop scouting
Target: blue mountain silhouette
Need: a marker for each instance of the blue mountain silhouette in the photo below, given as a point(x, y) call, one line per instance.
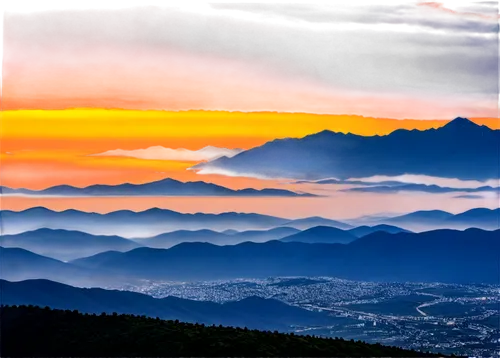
point(460, 149)
point(164, 187)
point(170, 239)
point(19, 264)
point(321, 234)
point(65, 244)
point(484, 218)
point(361, 231)
point(433, 256)
point(148, 223)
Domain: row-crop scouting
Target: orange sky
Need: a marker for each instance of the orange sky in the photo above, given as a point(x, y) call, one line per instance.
point(139, 92)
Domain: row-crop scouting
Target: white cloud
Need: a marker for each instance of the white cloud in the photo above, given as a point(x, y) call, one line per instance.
point(430, 180)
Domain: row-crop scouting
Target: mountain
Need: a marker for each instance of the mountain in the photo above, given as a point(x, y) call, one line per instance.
point(361, 231)
point(129, 224)
point(435, 189)
point(66, 245)
point(433, 256)
point(420, 218)
point(253, 312)
point(479, 217)
point(488, 219)
point(460, 149)
point(19, 264)
point(321, 234)
point(307, 223)
point(164, 187)
point(169, 239)
point(35, 331)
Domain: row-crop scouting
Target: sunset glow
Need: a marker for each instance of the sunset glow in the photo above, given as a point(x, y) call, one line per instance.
point(188, 77)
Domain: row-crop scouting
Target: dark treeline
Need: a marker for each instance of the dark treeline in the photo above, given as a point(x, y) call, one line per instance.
point(43, 332)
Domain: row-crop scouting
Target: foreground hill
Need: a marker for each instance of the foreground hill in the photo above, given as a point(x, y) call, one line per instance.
point(469, 256)
point(34, 331)
point(251, 312)
point(435, 152)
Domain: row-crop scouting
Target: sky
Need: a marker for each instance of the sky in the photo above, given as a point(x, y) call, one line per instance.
point(83, 80)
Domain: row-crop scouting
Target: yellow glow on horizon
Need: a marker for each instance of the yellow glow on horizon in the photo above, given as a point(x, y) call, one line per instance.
point(116, 123)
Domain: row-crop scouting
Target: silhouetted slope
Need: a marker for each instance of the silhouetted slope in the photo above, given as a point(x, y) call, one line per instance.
point(436, 152)
point(441, 255)
point(480, 217)
point(251, 312)
point(34, 331)
point(164, 187)
point(361, 231)
point(64, 244)
point(321, 234)
point(19, 264)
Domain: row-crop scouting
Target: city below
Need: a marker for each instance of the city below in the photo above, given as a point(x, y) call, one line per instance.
point(456, 319)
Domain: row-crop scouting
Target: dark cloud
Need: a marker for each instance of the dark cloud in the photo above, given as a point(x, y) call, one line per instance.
point(435, 189)
point(468, 196)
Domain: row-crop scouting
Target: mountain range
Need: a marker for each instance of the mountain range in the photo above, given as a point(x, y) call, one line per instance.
point(460, 149)
point(488, 219)
point(364, 230)
point(128, 223)
point(333, 235)
point(170, 239)
point(18, 264)
point(66, 245)
point(153, 222)
point(148, 223)
point(321, 234)
point(165, 187)
point(433, 256)
point(253, 312)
